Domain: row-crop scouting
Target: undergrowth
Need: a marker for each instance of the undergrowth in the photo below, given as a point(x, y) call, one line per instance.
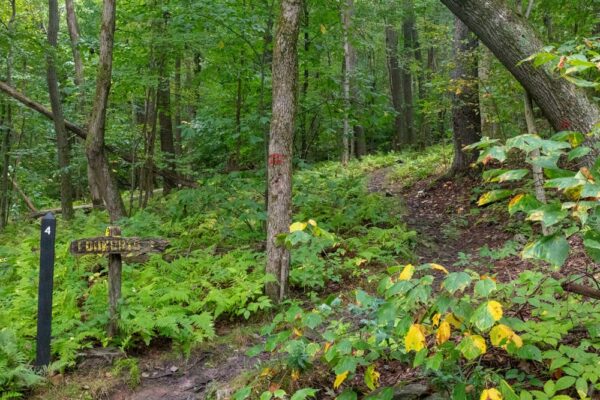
point(212, 269)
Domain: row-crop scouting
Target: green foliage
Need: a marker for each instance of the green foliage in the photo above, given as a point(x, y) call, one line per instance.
point(212, 269)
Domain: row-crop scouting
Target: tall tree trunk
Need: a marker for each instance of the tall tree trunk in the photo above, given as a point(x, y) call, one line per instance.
point(94, 144)
point(394, 72)
point(177, 106)
point(537, 172)
point(167, 142)
point(465, 107)
point(487, 105)
point(512, 39)
point(408, 31)
point(62, 139)
point(285, 71)
point(304, 128)
point(6, 131)
point(348, 72)
point(77, 61)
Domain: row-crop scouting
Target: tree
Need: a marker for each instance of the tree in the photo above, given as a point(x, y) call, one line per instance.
point(348, 73)
point(511, 39)
point(465, 99)
point(62, 140)
point(394, 73)
point(285, 71)
point(94, 144)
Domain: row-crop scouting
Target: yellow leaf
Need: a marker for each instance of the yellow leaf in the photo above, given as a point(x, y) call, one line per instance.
point(479, 342)
point(495, 309)
point(436, 319)
point(360, 262)
point(501, 335)
point(515, 200)
point(340, 378)
point(439, 268)
point(323, 29)
point(490, 394)
point(443, 333)
point(312, 222)
point(326, 347)
point(452, 320)
point(266, 372)
point(295, 375)
point(407, 273)
point(221, 44)
point(372, 377)
point(415, 338)
point(297, 332)
point(298, 226)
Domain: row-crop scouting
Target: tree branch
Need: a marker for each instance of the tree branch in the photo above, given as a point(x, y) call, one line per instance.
point(81, 133)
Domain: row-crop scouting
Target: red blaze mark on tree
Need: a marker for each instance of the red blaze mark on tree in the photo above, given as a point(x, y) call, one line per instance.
point(276, 159)
point(565, 124)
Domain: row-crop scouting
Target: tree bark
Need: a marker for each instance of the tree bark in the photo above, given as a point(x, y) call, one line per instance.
point(394, 72)
point(94, 145)
point(62, 139)
point(408, 32)
point(285, 71)
point(348, 72)
point(512, 40)
point(178, 103)
point(167, 142)
point(465, 99)
point(77, 61)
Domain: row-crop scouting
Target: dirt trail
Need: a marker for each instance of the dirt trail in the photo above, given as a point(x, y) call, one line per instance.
point(440, 211)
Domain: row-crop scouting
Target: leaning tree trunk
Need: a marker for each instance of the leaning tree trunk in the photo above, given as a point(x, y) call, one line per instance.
point(465, 99)
point(94, 144)
point(511, 39)
point(62, 139)
point(285, 71)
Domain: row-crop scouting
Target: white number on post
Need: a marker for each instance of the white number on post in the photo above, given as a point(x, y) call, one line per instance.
point(47, 230)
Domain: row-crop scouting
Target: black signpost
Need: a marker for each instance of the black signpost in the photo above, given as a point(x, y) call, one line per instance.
point(44, 321)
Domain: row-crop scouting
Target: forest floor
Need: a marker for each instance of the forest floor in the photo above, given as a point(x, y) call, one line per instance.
point(451, 230)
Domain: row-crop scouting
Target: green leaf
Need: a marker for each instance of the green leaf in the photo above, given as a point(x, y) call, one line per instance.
point(347, 394)
point(456, 281)
point(243, 393)
point(581, 82)
point(493, 196)
point(484, 287)
point(549, 161)
point(549, 388)
point(582, 387)
point(591, 242)
point(493, 153)
point(530, 352)
point(507, 391)
point(512, 175)
point(470, 347)
point(304, 394)
point(523, 203)
point(564, 183)
point(564, 383)
point(578, 153)
point(549, 214)
point(552, 249)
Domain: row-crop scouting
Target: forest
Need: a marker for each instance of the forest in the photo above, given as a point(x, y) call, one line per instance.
point(300, 199)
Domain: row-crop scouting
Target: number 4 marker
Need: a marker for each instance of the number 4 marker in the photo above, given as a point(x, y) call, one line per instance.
point(48, 230)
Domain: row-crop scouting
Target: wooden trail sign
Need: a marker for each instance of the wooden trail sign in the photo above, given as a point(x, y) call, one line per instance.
point(115, 247)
